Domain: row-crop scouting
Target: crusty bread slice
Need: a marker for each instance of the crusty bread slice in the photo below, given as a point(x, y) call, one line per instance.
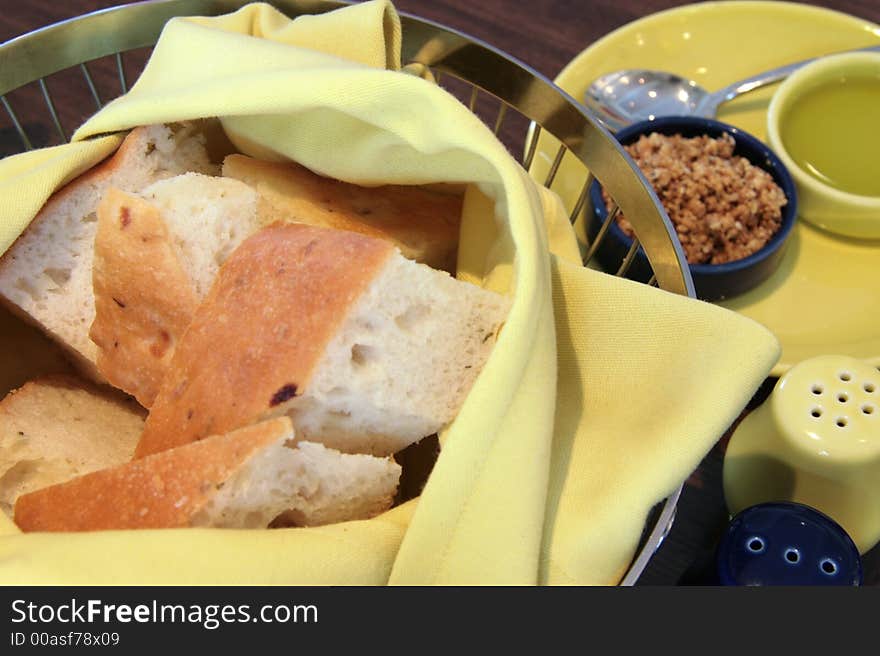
point(47, 273)
point(423, 223)
point(155, 259)
point(56, 428)
point(144, 297)
point(315, 485)
point(243, 479)
point(207, 218)
point(365, 350)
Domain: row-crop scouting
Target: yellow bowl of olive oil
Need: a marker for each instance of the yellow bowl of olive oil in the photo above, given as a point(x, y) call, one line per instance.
point(823, 124)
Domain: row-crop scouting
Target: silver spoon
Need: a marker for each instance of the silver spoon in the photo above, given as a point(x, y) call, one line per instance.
point(623, 97)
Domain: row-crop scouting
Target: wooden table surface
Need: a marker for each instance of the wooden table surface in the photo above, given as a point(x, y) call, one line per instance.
point(545, 34)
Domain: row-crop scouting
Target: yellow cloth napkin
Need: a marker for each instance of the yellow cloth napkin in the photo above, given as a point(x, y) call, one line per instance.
point(600, 397)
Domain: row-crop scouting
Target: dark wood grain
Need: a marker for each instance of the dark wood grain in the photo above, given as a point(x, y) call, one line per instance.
point(546, 35)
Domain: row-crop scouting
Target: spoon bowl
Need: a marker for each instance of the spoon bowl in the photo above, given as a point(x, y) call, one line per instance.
point(621, 98)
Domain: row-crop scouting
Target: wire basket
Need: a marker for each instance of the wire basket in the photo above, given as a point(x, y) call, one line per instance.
point(71, 68)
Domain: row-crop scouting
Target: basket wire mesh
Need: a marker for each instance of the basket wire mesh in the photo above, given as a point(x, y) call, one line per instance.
point(524, 110)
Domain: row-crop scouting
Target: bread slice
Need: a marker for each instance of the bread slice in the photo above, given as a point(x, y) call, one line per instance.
point(207, 218)
point(47, 273)
point(423, 223)
point(156, 256)
point(365, 350)
point(144, 297)
point(56, 428)
point(243, 479)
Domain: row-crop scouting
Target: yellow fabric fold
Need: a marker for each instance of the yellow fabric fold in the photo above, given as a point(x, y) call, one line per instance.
point(648, 381)
point(27, 180)
point(353, 553)
point(599, 397)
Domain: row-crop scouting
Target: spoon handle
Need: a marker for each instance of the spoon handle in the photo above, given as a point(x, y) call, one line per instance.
point(708, 107)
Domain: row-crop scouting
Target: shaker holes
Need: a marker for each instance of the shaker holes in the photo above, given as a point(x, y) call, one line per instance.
point(828, 566)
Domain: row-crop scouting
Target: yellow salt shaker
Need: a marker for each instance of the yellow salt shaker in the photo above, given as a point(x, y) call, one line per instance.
point(815, 441)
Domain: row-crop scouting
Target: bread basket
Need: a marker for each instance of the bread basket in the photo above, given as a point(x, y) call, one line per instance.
point(76, 58)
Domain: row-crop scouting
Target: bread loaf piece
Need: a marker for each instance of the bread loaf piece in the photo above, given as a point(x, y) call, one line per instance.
point(144, 298)
point(243, 479)
point(56, 428)
point(47, 273)
point(156, 255)
point(422, 223)
point(207, 218)
point(365, 350)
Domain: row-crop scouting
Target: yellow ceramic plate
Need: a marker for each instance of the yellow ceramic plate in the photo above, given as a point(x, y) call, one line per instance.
point(825, 298)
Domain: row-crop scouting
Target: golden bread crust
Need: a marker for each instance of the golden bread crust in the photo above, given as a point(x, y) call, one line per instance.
point(422, 223)
point(255, 340)
point(144, 299)
point(165, 490)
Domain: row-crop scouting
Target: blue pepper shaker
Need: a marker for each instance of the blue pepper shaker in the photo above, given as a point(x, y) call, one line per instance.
point(786, 543)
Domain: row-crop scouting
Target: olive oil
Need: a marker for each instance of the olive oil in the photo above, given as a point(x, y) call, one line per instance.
point(833, 132)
